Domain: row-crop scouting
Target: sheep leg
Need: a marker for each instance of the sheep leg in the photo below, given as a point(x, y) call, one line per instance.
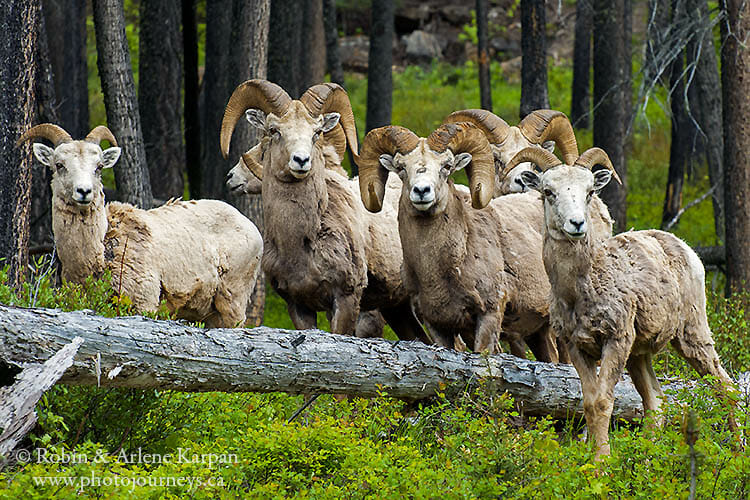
point(345, 313)
point(369, 324)
point(487, 330)
point(644, 379)
point(302, 317)
point(562, 350)
point(702, 356)
point(543, 345)
point(404, 324)
point(598, 390)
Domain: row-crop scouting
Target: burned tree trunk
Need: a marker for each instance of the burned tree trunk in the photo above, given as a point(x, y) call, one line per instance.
point(192, 90)
point(534, 57)
point(118, 87)
point(160, 95)
point(285, 41)
point(333, 57)
point(679, 149)
point(143, 353)
point(485, 88)
point(17, 107)
point(379, 80)
point(580, 101)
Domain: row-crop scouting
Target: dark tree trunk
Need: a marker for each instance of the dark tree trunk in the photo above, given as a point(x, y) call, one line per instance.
point(580, 102)
point(160, 95)
point(40, 223)
point(66, 33)
point(285, 41)
point(627, 63)
point(333, 58)
point(679, 149)
point(657, 31)
point(735, 80)
point(123, 119)
point(483, 55)
point(192, 90)
point(609, 99)
point(379, 81)
point(19, 20)
point(706, 83)
point(313, 53)
point(534, 57)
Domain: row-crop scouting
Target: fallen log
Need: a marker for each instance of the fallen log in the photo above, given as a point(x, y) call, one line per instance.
point(143, 353)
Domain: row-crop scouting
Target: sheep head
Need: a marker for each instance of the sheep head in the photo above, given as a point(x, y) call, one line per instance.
point(241, 178)
point(424, 165)
point(542, 128)
point(567, 189)
point(291, 129)
point(76, 165)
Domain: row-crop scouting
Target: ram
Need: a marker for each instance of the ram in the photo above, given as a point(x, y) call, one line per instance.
point(543, 128)
point(200, 257)
point(322, 250)
point(620, 300)
point(471, 271)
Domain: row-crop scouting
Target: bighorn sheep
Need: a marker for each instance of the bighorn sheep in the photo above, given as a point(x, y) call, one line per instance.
point(471, 271)
point(618, 300)
point(322, 250)
point(201, 257)
point(543, 128)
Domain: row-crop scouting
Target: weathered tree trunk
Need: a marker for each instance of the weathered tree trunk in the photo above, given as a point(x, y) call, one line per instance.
point(285, 41)
point(118, 87)
point(40, 222)
point(483, 54)
point(333, 57)
point(17, 402)
point(313, 53)
point(143, 353)
point(609, 100)
point(18, 53)
point(580, 101)
point(534, 57)
point(735, 84)
point(706, 83)
point(380, 60)
point(65, 22)
point(192, 91)
point(679, 149)
point(160, 95)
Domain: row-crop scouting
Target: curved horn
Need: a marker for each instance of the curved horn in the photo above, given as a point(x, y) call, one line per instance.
point(538, 156)
point(548, 125)
point(492, 125)
point(259, 94)
point(252, 159)
point(372, 176)
point(467, 138)
point(53, 133)
point(597, 156)
point(100, 133)
point(326, 98)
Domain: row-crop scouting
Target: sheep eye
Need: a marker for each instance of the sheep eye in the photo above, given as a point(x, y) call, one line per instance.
point(316, 136)
point(589, 195)
point(59, 165)
point(273, 131)
point(549, 194)
point(99, 167)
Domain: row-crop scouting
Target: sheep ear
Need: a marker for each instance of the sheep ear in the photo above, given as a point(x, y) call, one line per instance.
point(601, 179)
point(110, 157)
point(460, 161)
point(43, 153)
point(330, 120)
point(386, 161)
point(531, 180)
point(256, 117)
point(549, 146)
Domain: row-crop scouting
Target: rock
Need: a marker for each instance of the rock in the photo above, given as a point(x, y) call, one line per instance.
point(422, 46)
point(354, 51)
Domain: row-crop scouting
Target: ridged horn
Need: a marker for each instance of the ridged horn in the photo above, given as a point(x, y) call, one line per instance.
point(390, 139)
point(252, 159)
point(597, 156)
point(549, 125)
point(538, 156)
point(99, 134)
point(466, 137)
point(53, 133)
point(260, 94)
point(331, 97)
point(492, 125)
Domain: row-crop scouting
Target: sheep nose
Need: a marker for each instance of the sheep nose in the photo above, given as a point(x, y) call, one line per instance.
point(83, 192)
point(423, 191)
point(578, 224)
point(301, 160)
